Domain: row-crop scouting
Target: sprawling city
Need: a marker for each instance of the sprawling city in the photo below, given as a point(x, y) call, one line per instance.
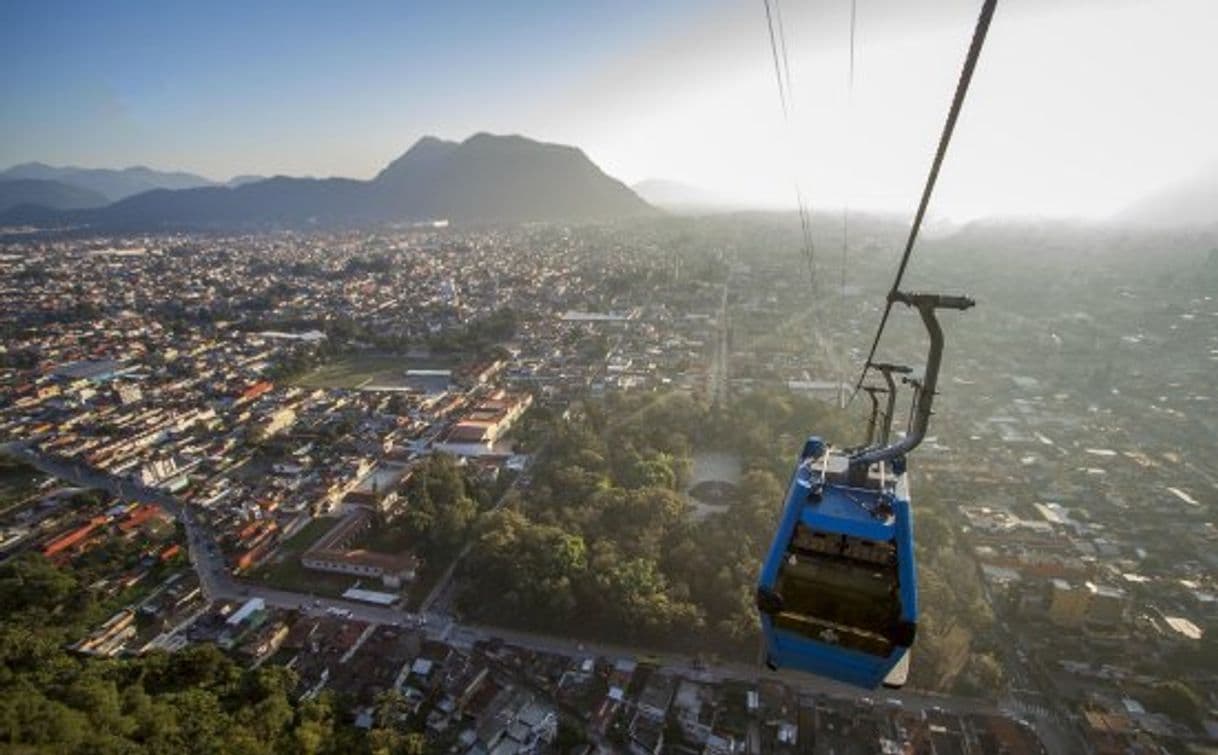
point(678, 378)
point(403, 469)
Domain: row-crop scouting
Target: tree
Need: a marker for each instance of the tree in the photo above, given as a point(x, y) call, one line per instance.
point(1177, 700)
point(315, 725)
point(655, 472)
point(389, 742)
point(195, 700)
point(519, 565)
point(987, 672)
point(31, 581)
point(99, 700)
point(934, 533)
point(570, 735)
point(440, 506)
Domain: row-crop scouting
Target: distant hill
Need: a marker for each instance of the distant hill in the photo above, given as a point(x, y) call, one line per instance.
point(243, 180)
point(1189, 203)
point(486, 178)
point(53, 195)
point(278, 201)
point(112, 184)
point(680, 197)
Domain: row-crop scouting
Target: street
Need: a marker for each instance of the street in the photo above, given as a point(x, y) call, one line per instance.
point(218, 585)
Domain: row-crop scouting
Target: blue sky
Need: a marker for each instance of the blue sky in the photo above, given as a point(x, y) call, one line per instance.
point(293, 86)
point(1079, 107)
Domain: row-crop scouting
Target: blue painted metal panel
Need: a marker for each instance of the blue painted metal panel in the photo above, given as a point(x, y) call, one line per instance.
point(907, 574)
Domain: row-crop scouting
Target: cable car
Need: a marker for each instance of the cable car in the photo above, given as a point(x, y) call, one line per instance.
point(838, 592)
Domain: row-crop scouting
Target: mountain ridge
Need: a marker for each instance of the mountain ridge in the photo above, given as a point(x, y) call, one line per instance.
point(486, 178)
point(112, 183)
point(54, 195)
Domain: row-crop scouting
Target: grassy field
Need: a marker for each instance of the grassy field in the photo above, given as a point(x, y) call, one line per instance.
point(285, 572)
point(379, 369)
point(383, 540)
point(309, 534)
point(289, 574)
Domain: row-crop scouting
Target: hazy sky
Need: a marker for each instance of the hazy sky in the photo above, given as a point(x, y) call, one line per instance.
point(1078, 107)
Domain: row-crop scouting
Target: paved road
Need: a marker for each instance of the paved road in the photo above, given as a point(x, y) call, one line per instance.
point(464, 635)
point(203, 560)
point(218, 584)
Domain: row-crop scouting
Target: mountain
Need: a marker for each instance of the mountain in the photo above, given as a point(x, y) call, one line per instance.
point(485, 178)
point(1191, 202)
point(278, 201)
point(242, 180)
point(53, 195)
point(680, 197)
point(112, 184)
point(426, 152)
point(491, 178)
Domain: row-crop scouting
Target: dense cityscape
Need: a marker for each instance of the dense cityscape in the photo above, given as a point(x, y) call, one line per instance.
point(493, 491)
point(678, 378)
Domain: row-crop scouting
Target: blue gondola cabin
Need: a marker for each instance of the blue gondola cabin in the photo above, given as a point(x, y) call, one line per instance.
point(838, 594)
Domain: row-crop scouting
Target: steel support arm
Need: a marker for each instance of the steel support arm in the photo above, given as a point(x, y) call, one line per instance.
point(926, 304)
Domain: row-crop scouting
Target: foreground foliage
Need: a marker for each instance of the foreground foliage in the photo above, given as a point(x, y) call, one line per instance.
point(193, 701)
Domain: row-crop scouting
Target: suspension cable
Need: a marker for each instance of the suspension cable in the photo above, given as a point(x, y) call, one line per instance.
point(782, 90)
point(962, 85)
point(805, 216)
point(849, 145)
point(841, 375)
point(782, 74)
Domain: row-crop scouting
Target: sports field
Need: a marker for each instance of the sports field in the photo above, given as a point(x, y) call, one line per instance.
point(370, 369)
